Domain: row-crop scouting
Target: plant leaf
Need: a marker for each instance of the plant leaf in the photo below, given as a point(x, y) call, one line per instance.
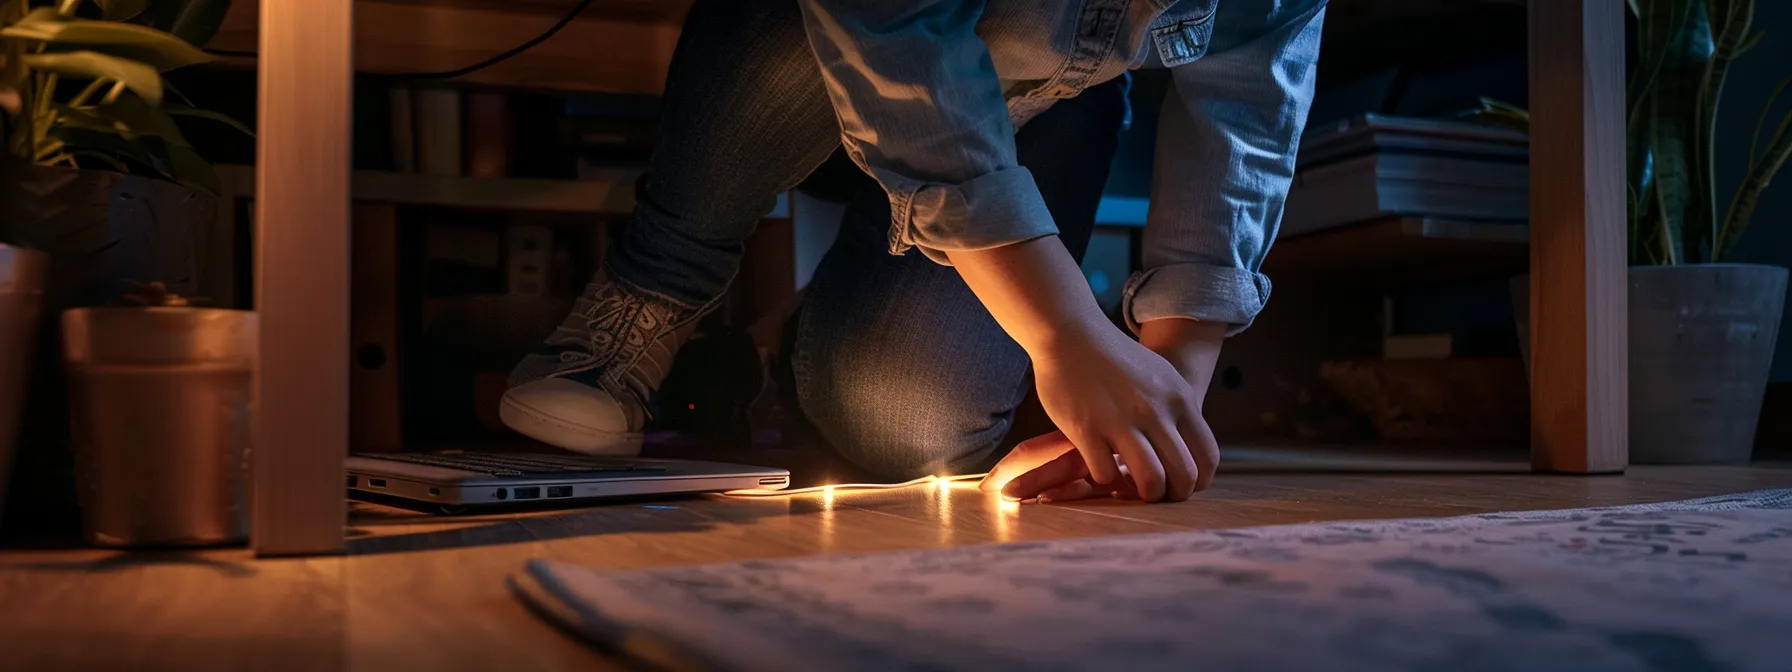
point(1499, 113)
point(102, 157)
point(195, 21)
point(1761, 170)
point(186, 111)
point(1754, 139)
point(64, 116)
point(1748, 194)
point(1673, 110)
point(139, 78)
point(129, 41)
point(141, 119)
point(1753, 41)
point(1729, 29)
point(185, 166)
point(110, 144)
point(1658, 23)
point(121, 10)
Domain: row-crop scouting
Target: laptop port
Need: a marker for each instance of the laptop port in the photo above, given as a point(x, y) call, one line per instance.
point(559, 491)
point(376, 482)
point(528, 493)
point(352, 480)
point(501, 493)
point(774, 480)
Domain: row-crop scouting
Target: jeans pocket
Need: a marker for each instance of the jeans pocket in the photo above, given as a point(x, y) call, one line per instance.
point(1185, 37)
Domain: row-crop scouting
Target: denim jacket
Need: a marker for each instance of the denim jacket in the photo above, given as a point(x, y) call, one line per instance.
point(929, 93)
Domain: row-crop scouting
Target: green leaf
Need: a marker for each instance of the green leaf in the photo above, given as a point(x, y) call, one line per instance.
point(195, 21)
point(1762, 168)
point(63, 116)
point(141, 119)
point(172, 93)
point(121, 10)
point(1674, 110)
point(139, 78)
point(123, 40)
point(1729, 30)
point(185, 111)
point(190, 169)
point(1658, 23)
point(109, 144)
point(1500, 113)
point(1754, 140)
point(1748, 194)
point(101, 157)
point(183, 165)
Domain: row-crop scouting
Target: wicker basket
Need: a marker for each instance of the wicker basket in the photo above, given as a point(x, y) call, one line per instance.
point(1437, 400)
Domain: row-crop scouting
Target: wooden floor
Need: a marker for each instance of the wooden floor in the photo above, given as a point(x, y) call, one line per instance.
point(429, 593)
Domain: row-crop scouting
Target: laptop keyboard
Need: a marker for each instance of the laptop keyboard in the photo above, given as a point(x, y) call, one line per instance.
point(510, 464)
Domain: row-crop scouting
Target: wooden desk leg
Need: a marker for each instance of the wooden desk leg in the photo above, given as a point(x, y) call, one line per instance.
point(302, 277)
point(1579, 297)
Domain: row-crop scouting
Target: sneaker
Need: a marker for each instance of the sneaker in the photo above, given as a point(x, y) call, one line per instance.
point(588, 388)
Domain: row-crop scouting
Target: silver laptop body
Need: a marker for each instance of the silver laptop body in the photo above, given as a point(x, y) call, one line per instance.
point(468, 478)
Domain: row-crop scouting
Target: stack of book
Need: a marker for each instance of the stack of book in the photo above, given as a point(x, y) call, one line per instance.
point(1371, 167)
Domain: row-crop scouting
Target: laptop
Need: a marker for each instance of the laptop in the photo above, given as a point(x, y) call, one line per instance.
point(455, 479)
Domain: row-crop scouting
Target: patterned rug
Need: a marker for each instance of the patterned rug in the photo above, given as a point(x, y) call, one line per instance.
point(1701, 585)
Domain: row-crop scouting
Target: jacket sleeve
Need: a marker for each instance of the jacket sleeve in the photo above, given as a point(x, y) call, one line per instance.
point(922, 110)
point(1225, 158)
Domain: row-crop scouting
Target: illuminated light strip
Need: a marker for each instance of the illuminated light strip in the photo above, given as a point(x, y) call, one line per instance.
point(839, 487)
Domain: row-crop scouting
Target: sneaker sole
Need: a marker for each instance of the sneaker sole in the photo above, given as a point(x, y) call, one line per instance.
point(565, 434)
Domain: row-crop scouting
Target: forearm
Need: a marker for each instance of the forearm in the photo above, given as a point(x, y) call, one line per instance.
point(1036, 292)
point(1192, 346)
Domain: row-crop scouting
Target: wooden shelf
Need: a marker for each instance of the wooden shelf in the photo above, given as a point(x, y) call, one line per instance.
point(1391, 251)
point(611, 192)
point(1403, 250)
point(606, 195)
point(616, 46)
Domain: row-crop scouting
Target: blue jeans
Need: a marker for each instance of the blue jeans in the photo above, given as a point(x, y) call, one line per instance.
point(896, 364)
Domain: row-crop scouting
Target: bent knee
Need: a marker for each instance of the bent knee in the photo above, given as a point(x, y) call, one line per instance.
point(904, 427)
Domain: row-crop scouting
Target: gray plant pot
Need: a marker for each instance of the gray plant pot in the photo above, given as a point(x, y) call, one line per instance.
point(1701, 344)
point(21, 299)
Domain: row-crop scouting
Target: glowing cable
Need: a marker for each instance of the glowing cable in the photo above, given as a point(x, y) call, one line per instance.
point(838, 487)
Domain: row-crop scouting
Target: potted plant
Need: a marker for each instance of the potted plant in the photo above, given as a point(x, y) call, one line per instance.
point(1702, 328)
point(21, 293)
point(96, 177)
point(160, 396)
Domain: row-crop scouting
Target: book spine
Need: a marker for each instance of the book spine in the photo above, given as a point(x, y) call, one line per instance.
point(438, 132)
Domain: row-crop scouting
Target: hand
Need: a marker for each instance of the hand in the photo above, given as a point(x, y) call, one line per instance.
point(1047, 468)
point(1109, 395)
point(1112, 397)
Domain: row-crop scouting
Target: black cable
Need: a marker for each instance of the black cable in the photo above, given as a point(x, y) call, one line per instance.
point(459, 72)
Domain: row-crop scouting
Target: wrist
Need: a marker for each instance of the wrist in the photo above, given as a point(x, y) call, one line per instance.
point(1191, 346)
point(1071, 331)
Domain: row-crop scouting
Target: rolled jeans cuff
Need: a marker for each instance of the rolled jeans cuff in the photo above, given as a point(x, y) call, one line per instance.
point(1223, 294)
point(996, 209)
